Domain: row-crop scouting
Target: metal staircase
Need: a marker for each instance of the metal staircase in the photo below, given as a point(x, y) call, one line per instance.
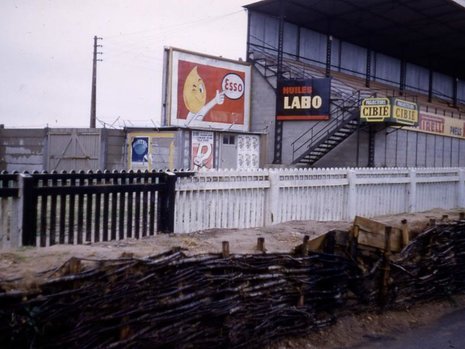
point(323, 136)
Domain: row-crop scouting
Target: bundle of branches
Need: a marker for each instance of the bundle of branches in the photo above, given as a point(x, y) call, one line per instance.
point(174, 301)
point(431, 266)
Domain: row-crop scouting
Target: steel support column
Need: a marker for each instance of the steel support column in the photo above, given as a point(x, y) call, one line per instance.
point(371, 145)
point(403, 73)
point(329, 42)
point(278, 129)
point(368, 69)
point(430, 86)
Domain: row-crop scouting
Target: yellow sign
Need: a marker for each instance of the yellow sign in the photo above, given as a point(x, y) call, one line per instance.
point(404, 112)
point(392, 110)
point(375, 109)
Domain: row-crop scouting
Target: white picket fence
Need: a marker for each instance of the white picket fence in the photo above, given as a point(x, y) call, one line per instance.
point(255, 198)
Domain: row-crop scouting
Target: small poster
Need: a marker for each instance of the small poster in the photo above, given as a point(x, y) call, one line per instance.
point(248, 151)
point(139, 153)
point(202, 150)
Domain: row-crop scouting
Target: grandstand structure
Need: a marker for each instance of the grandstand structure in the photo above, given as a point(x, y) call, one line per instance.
point(406, 49)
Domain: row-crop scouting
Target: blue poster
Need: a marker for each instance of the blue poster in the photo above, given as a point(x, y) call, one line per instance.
point(140, 149)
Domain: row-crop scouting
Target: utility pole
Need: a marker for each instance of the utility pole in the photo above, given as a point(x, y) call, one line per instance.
point(93, 100)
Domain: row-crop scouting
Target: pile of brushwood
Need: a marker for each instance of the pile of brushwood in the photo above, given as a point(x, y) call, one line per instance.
point(214, 301)
point(172, 300)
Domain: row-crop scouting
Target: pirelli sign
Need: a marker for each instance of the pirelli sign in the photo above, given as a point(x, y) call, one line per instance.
point(390, 110)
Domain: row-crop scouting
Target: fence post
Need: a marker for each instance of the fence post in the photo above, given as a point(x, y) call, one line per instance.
point(352, 195)
point(461, 188)
point(27, 210)
point(167, 203)
point(272, 199)
point(412, 192)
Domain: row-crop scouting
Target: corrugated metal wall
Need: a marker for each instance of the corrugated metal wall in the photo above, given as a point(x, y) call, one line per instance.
point(347, 57)
point(353, 59)
point(387, 69)
point(61, 149)
point(404, 148)
point(291, 39)
point(417, 78)
point(313, 46)
point(442, 86)
point(22, 150)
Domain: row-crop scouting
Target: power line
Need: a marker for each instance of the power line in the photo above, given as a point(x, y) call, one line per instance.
point(174, 27)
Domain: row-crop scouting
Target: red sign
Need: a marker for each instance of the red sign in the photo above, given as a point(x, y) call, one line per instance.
point(209, 92)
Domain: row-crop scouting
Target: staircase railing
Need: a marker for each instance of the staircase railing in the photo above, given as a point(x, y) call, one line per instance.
point(324, 129)
point(297, 67)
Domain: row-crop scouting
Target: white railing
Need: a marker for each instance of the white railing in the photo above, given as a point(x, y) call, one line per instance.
point(255, 198)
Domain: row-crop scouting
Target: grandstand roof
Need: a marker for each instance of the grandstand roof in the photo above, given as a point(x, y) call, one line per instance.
point(430, 33)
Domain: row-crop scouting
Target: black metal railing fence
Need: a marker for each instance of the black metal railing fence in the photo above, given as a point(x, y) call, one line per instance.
point(85, 207)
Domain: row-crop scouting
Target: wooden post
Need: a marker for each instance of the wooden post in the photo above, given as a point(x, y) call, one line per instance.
point(330, 242)
point(384, 289)
point(462, 216)
point(225, 251)
point(432, 222)
point(405, 233)
point(445, 217)
point(167, 203)
point(356, 232)
point(301, 300)
point(304, 250)
point(73, 266)
point(28, 207)
point(353, 243)
point(261, 244)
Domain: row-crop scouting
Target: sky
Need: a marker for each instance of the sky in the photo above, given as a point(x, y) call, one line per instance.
point(46, 56)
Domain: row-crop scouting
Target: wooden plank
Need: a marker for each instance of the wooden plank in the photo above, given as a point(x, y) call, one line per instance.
point(372, 233)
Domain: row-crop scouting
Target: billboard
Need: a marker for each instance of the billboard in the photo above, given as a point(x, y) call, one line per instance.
point(306, 99)
point(440, 125)
point(205, 91)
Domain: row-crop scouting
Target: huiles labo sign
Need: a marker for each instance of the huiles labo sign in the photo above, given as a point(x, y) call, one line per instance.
point(391, 110)
point(300, 100)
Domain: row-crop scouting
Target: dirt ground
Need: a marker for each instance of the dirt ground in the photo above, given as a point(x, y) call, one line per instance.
point(32, 264)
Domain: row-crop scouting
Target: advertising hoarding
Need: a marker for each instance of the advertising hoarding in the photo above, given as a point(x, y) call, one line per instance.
point(440, 125)
point(306, 99)
point(205, 91)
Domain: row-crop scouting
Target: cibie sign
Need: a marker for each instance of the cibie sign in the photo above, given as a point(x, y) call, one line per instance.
point(375, 109)
point(391, 110)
